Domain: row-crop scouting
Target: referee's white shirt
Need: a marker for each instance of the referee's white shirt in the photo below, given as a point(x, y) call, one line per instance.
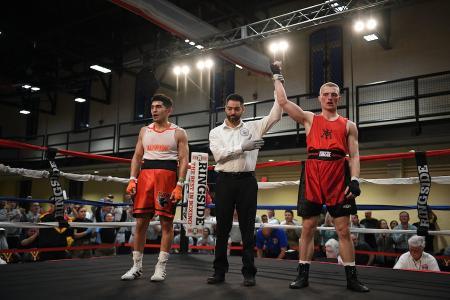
point(225, 142)
point(426, 262)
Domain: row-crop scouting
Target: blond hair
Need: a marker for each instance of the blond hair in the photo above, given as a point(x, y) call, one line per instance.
point(329, 84)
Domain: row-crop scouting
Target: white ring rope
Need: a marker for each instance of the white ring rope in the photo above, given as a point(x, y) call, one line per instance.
point(261, 185)
point(257, 225)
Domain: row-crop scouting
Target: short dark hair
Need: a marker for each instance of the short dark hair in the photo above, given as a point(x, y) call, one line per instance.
point(166, 100)
point(235, 97)
point(289, 211)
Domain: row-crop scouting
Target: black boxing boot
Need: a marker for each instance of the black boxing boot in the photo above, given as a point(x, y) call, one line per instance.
point(352, 281)
point(301, 280)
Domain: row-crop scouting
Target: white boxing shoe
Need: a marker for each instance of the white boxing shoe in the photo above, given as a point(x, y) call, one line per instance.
point(132, 274)
point(160, 271)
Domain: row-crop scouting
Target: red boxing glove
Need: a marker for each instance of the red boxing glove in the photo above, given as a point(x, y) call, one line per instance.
point(131, 188)
point(177, 193)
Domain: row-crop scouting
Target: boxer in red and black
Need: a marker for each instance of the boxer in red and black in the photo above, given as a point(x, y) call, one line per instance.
point(328, 176)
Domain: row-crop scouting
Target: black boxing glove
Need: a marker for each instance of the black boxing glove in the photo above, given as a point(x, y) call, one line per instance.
point(276, 72)
point(353, 187)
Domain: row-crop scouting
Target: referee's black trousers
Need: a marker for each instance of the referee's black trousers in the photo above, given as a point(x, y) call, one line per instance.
point(236, 191)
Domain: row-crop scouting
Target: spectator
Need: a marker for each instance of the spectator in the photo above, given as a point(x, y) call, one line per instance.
point(29, 241)
point(385, 243)
point(100, 213)
point(210, 221)
point(11, 213)
point(271, 216)
point(34, 213)
point(372, 223)
point(293, 235)
point(264, 219)
point(3, 244)
point(325, 235)
point(401, 239)
point(177, 241)
point(206, 240)
point(429, 239)
point(356, 224)
point(235, 238)
point(271, 243)
point(332, 251)
point(416, 258)
point(82, 236)
point(107, 236)
point(362, 259)
point(393, 224)
point(53, 237)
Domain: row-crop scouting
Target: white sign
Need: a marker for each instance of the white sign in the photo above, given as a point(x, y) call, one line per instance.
point(198, 189)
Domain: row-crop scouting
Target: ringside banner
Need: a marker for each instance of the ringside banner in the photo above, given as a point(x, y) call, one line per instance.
point(196, 200)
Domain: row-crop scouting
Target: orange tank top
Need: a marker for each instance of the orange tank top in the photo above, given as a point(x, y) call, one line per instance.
point(160, 145)
point(327, 135)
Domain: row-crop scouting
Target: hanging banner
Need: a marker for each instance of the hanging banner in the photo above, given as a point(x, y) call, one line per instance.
point(198, 187)
point(425, 186)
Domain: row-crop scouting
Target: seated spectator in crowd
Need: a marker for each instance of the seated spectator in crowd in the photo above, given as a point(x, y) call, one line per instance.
point(177, 241)
point(430, 239)
point(416, 258)
point(271, 243)
point(385, 243)
point(332, 251)
point(206, 240)
point(34, 213)
point(264, 219)
point(401, 239)
point(210, 221)
point(11, 213)
point(3, 245)
point(235, 238)
point(325, 235)
point(271, 216)
point(354, 223)
point(372, 223)
point(30, 241)
point(107, 236)
point(393, 224)
point(82, 236)
point(362, 259)
point(53, 237)
point(293, 235)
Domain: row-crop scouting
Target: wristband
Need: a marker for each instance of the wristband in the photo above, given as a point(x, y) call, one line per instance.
point(355, 178)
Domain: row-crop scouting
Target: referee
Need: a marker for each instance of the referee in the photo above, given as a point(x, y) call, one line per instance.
point(235, 147)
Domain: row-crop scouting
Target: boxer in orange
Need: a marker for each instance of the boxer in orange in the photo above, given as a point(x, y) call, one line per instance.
point(327, 176)
point(164, 148)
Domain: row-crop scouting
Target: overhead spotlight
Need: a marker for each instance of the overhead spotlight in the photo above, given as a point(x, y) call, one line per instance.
point(191, 43)
point(26, 86)
point(271, 160)
point(100, 69)
point(358, 26)
point(199, 47)
point(185, 69)
point(209, 63)
point(186, 41)
point(200, 65)
point(274, 47)
point(25, 112)
point(239, 67)
point(35, 88)
point(371, 24)
point(80, 100)
point(177, 70)
point(283, 45)
point(371, 37)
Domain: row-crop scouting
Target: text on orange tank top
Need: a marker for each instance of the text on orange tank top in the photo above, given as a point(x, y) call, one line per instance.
point(160, 145)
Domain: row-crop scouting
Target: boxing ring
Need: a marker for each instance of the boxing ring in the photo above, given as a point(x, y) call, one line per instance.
point(99, 276)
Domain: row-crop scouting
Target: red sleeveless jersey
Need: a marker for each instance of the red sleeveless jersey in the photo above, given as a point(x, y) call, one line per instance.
point(327, 135)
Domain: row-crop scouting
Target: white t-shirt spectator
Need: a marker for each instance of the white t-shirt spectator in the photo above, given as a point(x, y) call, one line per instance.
point(426, 262)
